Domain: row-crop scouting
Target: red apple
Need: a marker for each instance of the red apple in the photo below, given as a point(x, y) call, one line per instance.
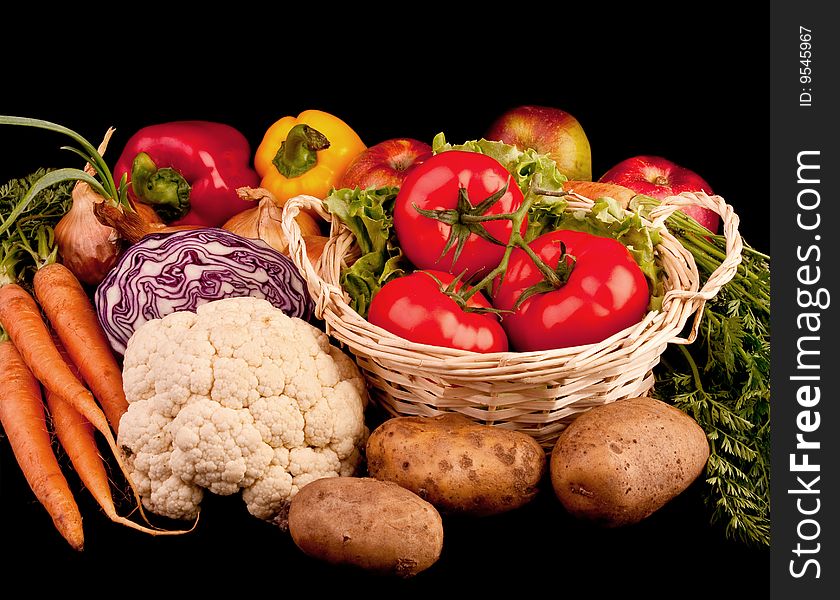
point(659, 178)
point(385, 164)
point(548, 131)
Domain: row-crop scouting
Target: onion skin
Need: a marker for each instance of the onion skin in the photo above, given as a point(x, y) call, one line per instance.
point(148, 213)
point(262, 222)
point(314, 247)
point(85, 246)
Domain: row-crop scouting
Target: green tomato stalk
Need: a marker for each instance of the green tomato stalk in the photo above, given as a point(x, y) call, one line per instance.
point(467, 219)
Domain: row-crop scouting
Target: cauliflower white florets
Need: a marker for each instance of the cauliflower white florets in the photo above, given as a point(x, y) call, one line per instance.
point(237, 396)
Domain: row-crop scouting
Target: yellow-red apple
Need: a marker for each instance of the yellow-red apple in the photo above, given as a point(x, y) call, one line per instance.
point(548, 131)
point(385, 164)
point(659, 178)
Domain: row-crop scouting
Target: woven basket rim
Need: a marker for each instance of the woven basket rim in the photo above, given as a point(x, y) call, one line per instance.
point(684, 298)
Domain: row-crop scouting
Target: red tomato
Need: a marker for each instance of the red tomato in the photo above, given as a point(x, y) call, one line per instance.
point(435, 185)
point(414, 307)
point(605, 293)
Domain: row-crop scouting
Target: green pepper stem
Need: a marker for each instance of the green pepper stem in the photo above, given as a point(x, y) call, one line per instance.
point(299, 151)
point(165, 189)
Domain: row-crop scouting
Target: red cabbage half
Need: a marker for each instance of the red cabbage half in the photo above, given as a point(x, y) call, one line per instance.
point(168, 272)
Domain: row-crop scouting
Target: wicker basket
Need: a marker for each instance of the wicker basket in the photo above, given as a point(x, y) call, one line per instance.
point(538, 393)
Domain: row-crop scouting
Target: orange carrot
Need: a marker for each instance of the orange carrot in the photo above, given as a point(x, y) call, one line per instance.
point(73, 318)
point(22, 416)
point(20, 317)
point(76, 435)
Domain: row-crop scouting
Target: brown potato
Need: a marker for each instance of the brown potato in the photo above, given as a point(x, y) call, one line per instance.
point(618, 463)
point(456, 464)
point(359, 521)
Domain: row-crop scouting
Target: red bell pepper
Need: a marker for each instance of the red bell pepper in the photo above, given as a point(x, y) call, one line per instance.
point(188, 171)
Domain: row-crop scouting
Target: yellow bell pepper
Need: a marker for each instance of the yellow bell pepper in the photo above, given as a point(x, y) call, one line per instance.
point(306, 154)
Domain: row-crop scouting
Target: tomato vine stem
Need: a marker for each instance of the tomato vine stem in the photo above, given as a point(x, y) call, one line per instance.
point(471, 218)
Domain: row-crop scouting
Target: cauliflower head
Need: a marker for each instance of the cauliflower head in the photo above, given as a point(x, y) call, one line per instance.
point(237, 396)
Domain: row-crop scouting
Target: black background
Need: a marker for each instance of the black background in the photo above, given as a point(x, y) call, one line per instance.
point(692, 90)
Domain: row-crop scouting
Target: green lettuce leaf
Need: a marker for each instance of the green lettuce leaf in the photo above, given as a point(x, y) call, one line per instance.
point(369, 215)
point(544, 216)
point(528, 167)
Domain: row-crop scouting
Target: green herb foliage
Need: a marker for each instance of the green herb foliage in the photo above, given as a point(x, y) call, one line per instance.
point(27, 240)
point(32, 226)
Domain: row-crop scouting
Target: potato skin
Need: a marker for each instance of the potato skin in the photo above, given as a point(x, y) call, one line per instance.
point(371, 524)
point(617, 464)
point(460, 466)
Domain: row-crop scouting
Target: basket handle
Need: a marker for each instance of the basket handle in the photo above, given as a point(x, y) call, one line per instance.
point(727, 269)
point(319, 290)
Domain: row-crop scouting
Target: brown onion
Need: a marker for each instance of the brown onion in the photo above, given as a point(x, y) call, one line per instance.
point(263, 221)
point(85, 246)
point(314, 247)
